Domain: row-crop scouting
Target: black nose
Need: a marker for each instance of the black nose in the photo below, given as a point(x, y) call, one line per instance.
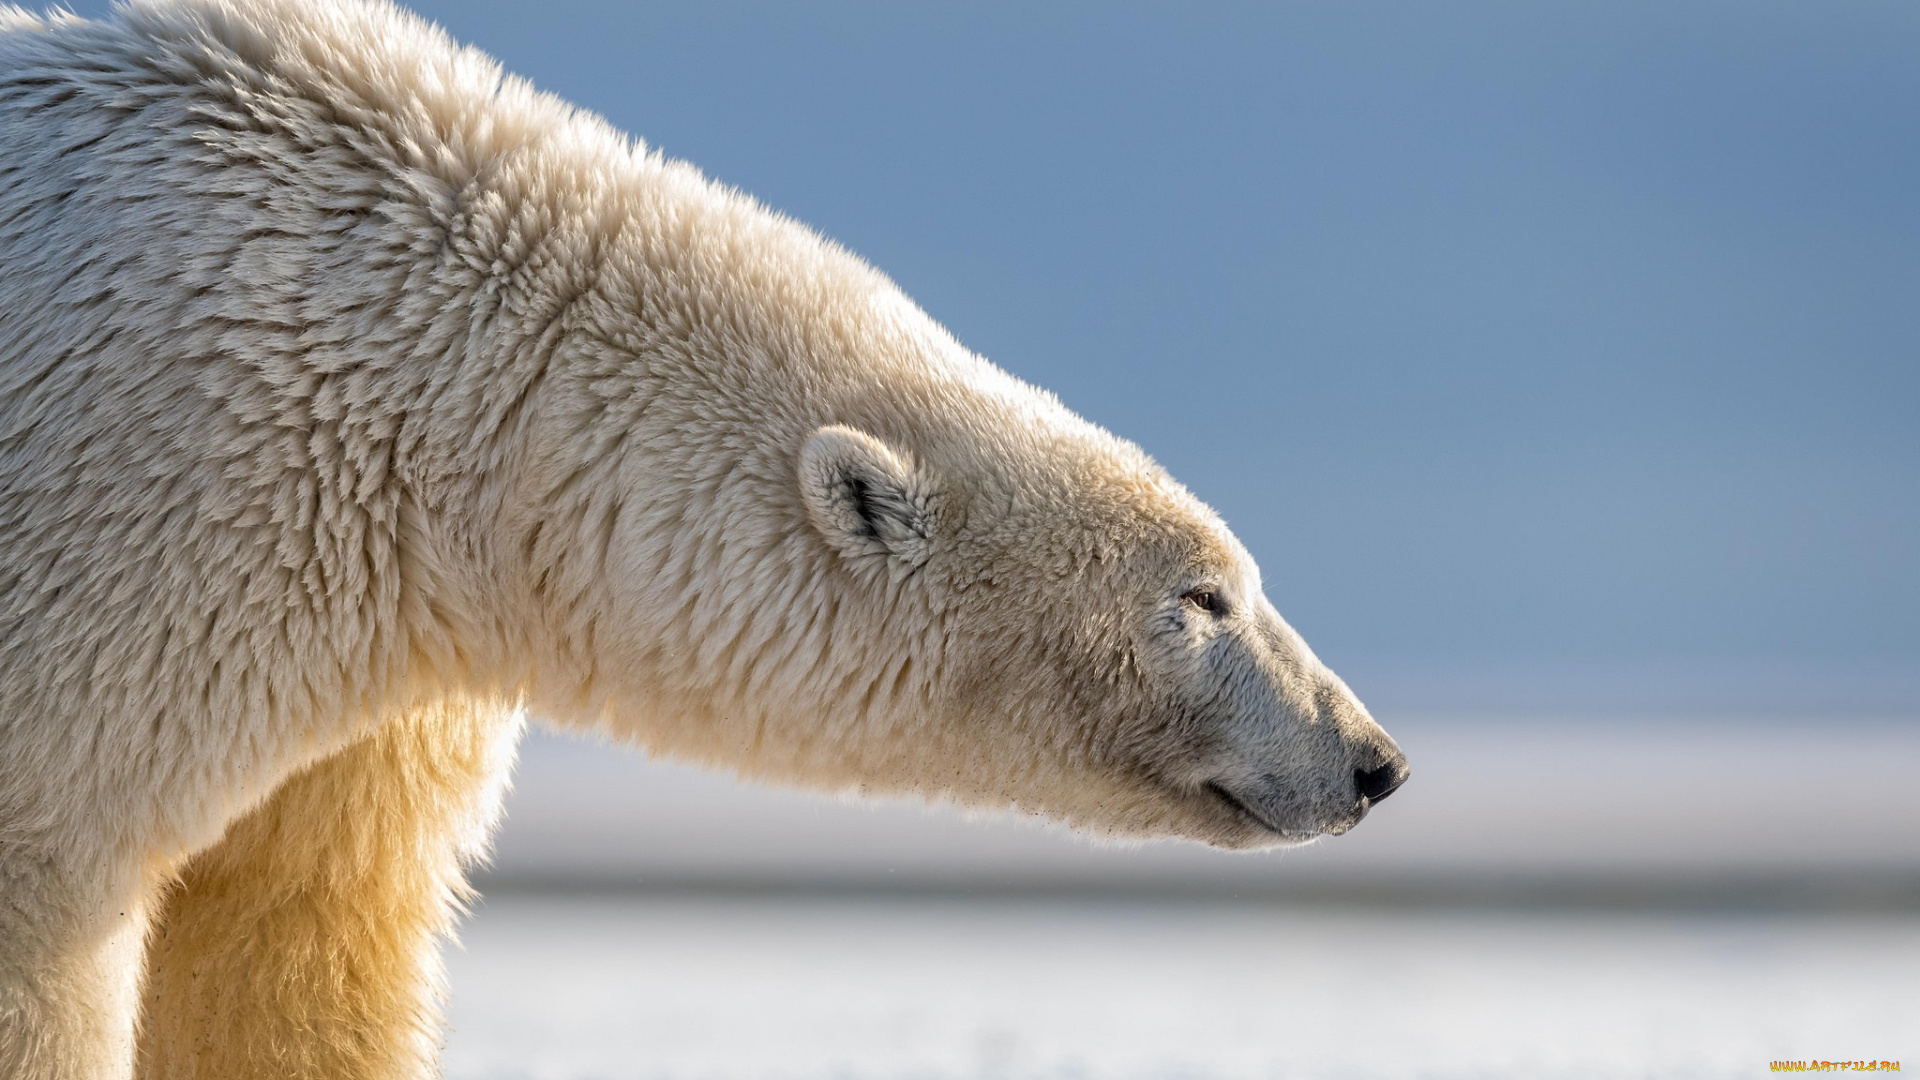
point(1377, 784)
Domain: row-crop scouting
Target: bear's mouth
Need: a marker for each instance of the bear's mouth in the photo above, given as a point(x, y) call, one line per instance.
point(1244, 810)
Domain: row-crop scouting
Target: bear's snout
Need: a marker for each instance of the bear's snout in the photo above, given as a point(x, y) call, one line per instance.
point(1381, 770)
point(1376, 784)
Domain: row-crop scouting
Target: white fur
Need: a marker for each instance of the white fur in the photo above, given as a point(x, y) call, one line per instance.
point(354, 396)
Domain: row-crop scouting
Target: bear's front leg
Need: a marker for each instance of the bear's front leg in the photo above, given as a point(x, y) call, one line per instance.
point(70, 945)
point(306, 943)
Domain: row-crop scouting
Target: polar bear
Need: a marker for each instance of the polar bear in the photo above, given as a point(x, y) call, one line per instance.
point(357, 401)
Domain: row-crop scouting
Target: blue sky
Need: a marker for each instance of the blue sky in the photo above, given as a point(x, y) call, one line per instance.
point(1573, 346)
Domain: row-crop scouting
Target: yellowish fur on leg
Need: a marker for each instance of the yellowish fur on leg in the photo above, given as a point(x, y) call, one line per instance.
point(306, 943)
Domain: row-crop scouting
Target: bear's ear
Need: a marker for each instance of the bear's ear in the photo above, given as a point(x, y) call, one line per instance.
point(864, 499)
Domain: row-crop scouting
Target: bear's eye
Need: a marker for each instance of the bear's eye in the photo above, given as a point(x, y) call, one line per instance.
point(1206, 600)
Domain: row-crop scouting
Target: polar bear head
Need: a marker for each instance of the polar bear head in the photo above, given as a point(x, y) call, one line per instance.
point(1107, 655)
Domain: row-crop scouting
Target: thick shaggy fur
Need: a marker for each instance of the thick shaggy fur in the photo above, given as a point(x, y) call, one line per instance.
point(356, 400)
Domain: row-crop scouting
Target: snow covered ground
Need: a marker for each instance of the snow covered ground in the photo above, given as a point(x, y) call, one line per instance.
point(709, 988)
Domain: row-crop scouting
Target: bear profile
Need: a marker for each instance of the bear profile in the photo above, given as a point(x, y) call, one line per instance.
point(358, 401)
